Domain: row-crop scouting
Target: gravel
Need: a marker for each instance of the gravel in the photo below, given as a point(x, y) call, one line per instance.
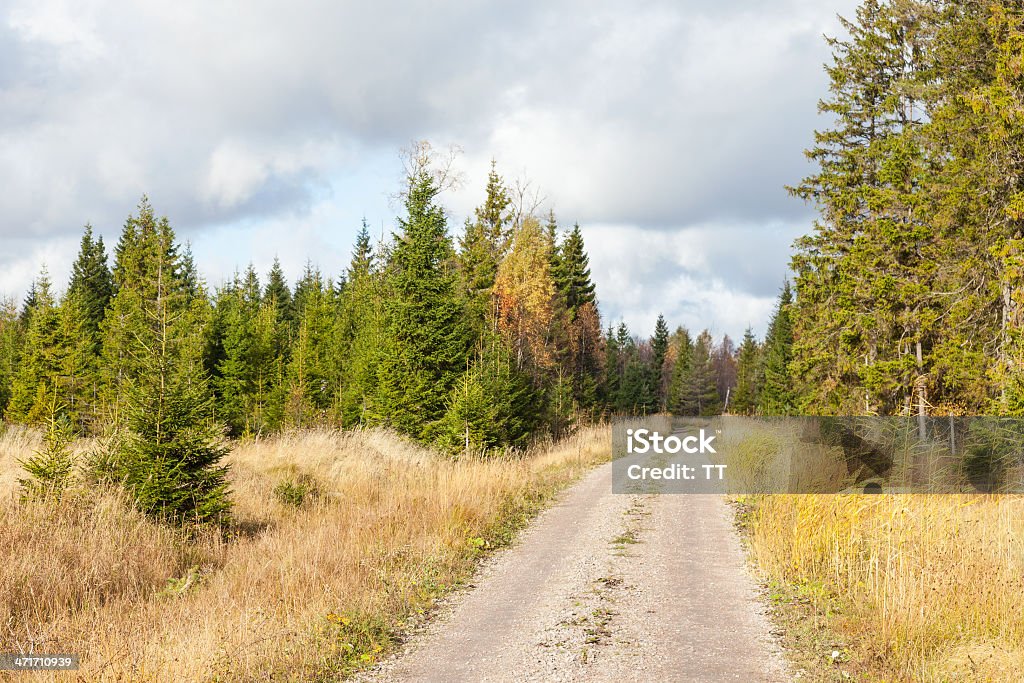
point(605, 587)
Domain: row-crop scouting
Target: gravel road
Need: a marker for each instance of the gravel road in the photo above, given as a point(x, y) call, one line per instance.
point(605, 587)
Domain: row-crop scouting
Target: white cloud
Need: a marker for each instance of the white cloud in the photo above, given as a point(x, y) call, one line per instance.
point(725, 278)
point(58, 24)
point(244, 118)
point(27, 261)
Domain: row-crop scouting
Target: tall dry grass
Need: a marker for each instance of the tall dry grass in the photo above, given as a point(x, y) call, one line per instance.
point(919, 587)
point(291, 593)
point(16, 443)
point(915, 587)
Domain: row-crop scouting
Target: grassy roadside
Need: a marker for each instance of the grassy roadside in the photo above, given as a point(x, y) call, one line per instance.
point(894, 587)
point(341, 542)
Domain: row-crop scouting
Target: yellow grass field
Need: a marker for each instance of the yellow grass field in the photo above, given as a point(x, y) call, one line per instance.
point(916, 587)
point(308, 592)
point(901, 587)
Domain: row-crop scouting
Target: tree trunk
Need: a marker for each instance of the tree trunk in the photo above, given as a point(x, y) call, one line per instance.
point(922, 396)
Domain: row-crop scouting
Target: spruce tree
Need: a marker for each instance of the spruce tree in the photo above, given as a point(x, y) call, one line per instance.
point(358, 335)
point(50, 469)
point(310, 283)
point(169, 459)
point(495, 215)
point(82, 312)
point(777, 395)
point(39, 368)
point(93, 283)
point(626, 392)
point(681, 370)
point(425, 340)
point(612, 377)
point(266, 379)
point(636, 391)
point(224, 300)
point(977, 206)
point(169, 452)
point(190, 281)
point(78, 381)
point(478, 267)
point(147, 263)
point(865, 277)
point(311, 370)
point(245, 373)
point(279, 293)
point(629, 364)
point(27, 306)
point(577, 323)
point(467, 425)
point(483, 245)
point(573, 275)
point(11, 336)
point(57, 365)
point(551, 232)
point(659, 347)
point(493, 405)
point(701, 391)
point(746, 397)
point(277, 298)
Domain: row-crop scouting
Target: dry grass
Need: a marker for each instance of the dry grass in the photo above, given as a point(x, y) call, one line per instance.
point(922, 588)
point(898, 587)
point(292, 593)
point(16, 443)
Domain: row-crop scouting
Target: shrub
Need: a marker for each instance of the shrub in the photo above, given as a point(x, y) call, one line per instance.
point(49, 469)
point(296, 491)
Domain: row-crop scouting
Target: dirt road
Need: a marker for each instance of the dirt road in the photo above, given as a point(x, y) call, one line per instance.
point(605, 587)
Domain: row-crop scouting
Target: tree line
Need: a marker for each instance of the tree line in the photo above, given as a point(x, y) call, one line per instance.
point(908, 293)
point(687, 375)
point(474, 343)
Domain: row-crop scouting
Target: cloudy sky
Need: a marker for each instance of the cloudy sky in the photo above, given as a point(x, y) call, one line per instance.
point(666, 129)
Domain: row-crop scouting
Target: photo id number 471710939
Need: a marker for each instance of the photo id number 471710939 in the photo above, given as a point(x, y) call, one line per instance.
point(38, 662)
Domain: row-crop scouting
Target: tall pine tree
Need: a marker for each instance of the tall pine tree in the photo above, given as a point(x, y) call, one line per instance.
point(39, 368)
point(425, 339)
point(168, 456)
point(93, 283)
point(682, 363)
point(358, 334)
point(659, 346)
point(746, 397)
point(11, 337)
point(777, 394)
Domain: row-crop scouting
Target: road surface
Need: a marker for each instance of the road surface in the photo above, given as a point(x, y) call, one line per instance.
point(605, 587)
